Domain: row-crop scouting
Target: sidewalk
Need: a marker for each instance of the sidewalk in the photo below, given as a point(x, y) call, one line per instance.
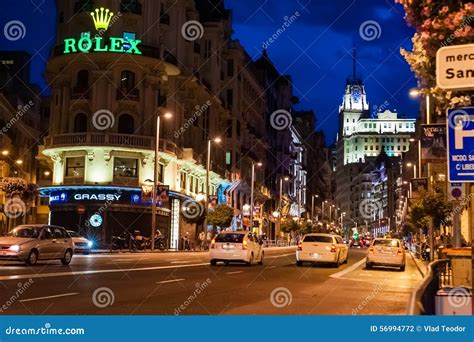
point(421, 265)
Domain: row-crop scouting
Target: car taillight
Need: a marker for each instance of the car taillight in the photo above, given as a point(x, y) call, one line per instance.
point(213, 243)
point(300, 246)
point(244, 244)
point(333, 249)
point(371, 250)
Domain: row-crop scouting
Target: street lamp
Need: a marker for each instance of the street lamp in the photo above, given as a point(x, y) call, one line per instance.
point(286, 179)
point(322, 214)
point(166, 115)
point(216, 140)
point(419, 154)
point(312, 206)
point(5, 152)
point(251, 194)
point(415, 93)
point(414, 168)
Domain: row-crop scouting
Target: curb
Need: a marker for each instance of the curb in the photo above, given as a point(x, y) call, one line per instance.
point(421, 268)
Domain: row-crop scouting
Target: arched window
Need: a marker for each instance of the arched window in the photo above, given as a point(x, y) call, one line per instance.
point(127, 80)
point(83, 79)
point(80, 123)
point(126, 124)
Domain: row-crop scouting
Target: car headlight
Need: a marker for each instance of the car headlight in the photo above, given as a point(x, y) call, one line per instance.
point(15, 248)
point(89, 244)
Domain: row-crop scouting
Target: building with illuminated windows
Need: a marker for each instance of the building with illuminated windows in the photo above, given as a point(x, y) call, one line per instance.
point(362, 139)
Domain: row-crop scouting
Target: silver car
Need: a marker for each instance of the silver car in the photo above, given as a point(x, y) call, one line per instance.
point(33, 242)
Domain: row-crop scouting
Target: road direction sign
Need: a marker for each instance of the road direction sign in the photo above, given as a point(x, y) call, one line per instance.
point(460, 132)
point(454, 67)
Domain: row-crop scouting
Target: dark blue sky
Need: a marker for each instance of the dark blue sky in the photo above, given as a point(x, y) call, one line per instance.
point(315, 49)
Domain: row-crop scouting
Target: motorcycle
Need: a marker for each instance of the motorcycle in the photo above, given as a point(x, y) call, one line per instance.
point(120, 242)
point(426, 253)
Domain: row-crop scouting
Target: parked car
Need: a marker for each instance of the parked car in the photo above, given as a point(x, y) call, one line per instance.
point(33, 242)
point(236, 246)
point(322, 248)
point(81, 244)
point(386, 252)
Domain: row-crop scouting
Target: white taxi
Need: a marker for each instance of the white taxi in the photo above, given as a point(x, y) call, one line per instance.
point(386, 252)
point(240, 246)
point(318, 247)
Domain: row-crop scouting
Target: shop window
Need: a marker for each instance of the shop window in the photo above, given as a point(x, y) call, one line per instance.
point(126, 124)
point(80, 123)
point(75, 166)
point(125, 167)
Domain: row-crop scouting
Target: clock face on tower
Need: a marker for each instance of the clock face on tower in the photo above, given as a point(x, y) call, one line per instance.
point(356, 94)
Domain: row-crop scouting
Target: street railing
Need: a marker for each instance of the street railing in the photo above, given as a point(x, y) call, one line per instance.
point(422, 301)
point(273, 243)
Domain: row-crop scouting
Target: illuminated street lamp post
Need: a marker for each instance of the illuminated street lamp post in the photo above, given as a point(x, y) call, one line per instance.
point(251, 195)
point(286, 179)
point(208, 166)
point(312, 206)
point(155, 178)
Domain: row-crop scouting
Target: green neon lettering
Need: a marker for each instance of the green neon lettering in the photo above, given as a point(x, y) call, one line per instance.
point(98, 41)
point(69, 45)
point(84, 44)
point(133, 47)
point(116, 45)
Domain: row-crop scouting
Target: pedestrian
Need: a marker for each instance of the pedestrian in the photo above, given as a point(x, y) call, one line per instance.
point(201, 240)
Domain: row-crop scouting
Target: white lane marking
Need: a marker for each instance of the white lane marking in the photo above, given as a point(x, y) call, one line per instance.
point(279, 256)
point(348, 270)
point(170, 281)
point(235, 272)
point(64, 274)
point(49, 297)
point(181, 262)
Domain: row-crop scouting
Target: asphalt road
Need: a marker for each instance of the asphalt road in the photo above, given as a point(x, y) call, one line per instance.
point(185, 284)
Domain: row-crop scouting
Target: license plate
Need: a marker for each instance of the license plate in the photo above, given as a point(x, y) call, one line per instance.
point(228, 246)
point(314, 255)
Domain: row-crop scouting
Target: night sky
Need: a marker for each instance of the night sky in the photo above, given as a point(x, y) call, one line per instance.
point(316, 49)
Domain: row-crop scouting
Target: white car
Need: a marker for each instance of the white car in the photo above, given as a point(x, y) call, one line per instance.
point(386, 252)
point(236, 246)
point(81, 244)
point(322, 248)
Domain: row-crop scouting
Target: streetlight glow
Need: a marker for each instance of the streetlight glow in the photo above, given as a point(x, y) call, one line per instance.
point(414, 93)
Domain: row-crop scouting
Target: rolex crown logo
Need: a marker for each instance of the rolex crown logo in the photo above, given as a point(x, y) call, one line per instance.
point(101, 18)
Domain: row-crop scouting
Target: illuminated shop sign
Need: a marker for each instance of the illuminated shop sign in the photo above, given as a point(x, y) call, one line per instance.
point(102, 18)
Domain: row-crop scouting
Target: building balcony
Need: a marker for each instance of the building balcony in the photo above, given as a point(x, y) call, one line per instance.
point(131, 95)
point(104, 139)
point(131, 6)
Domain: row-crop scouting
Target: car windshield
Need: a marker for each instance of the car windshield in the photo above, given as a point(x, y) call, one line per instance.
point(317, 238)
point(73, 234)
point(230, 238)
point(387, 243)
point(25, 232)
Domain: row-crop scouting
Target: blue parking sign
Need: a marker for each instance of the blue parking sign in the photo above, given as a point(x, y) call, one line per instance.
point(460, 132)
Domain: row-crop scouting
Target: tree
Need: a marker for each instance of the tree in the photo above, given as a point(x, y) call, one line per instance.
point(430, 205)
point(221, 216)
point(438, 23)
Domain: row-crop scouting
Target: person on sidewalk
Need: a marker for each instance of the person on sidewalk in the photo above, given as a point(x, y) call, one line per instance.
point(201, 239)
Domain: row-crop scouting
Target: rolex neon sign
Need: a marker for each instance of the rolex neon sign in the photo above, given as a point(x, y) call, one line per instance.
point(101, 18)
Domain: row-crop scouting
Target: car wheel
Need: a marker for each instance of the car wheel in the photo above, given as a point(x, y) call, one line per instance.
point(299, 263)
point(338, 261)
point(346, 259)
point(213, 262)
point(402, 268)
point(250, 262)
point(368, 265)
point(32, 258)
point(66, 260)
point(261, 259)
